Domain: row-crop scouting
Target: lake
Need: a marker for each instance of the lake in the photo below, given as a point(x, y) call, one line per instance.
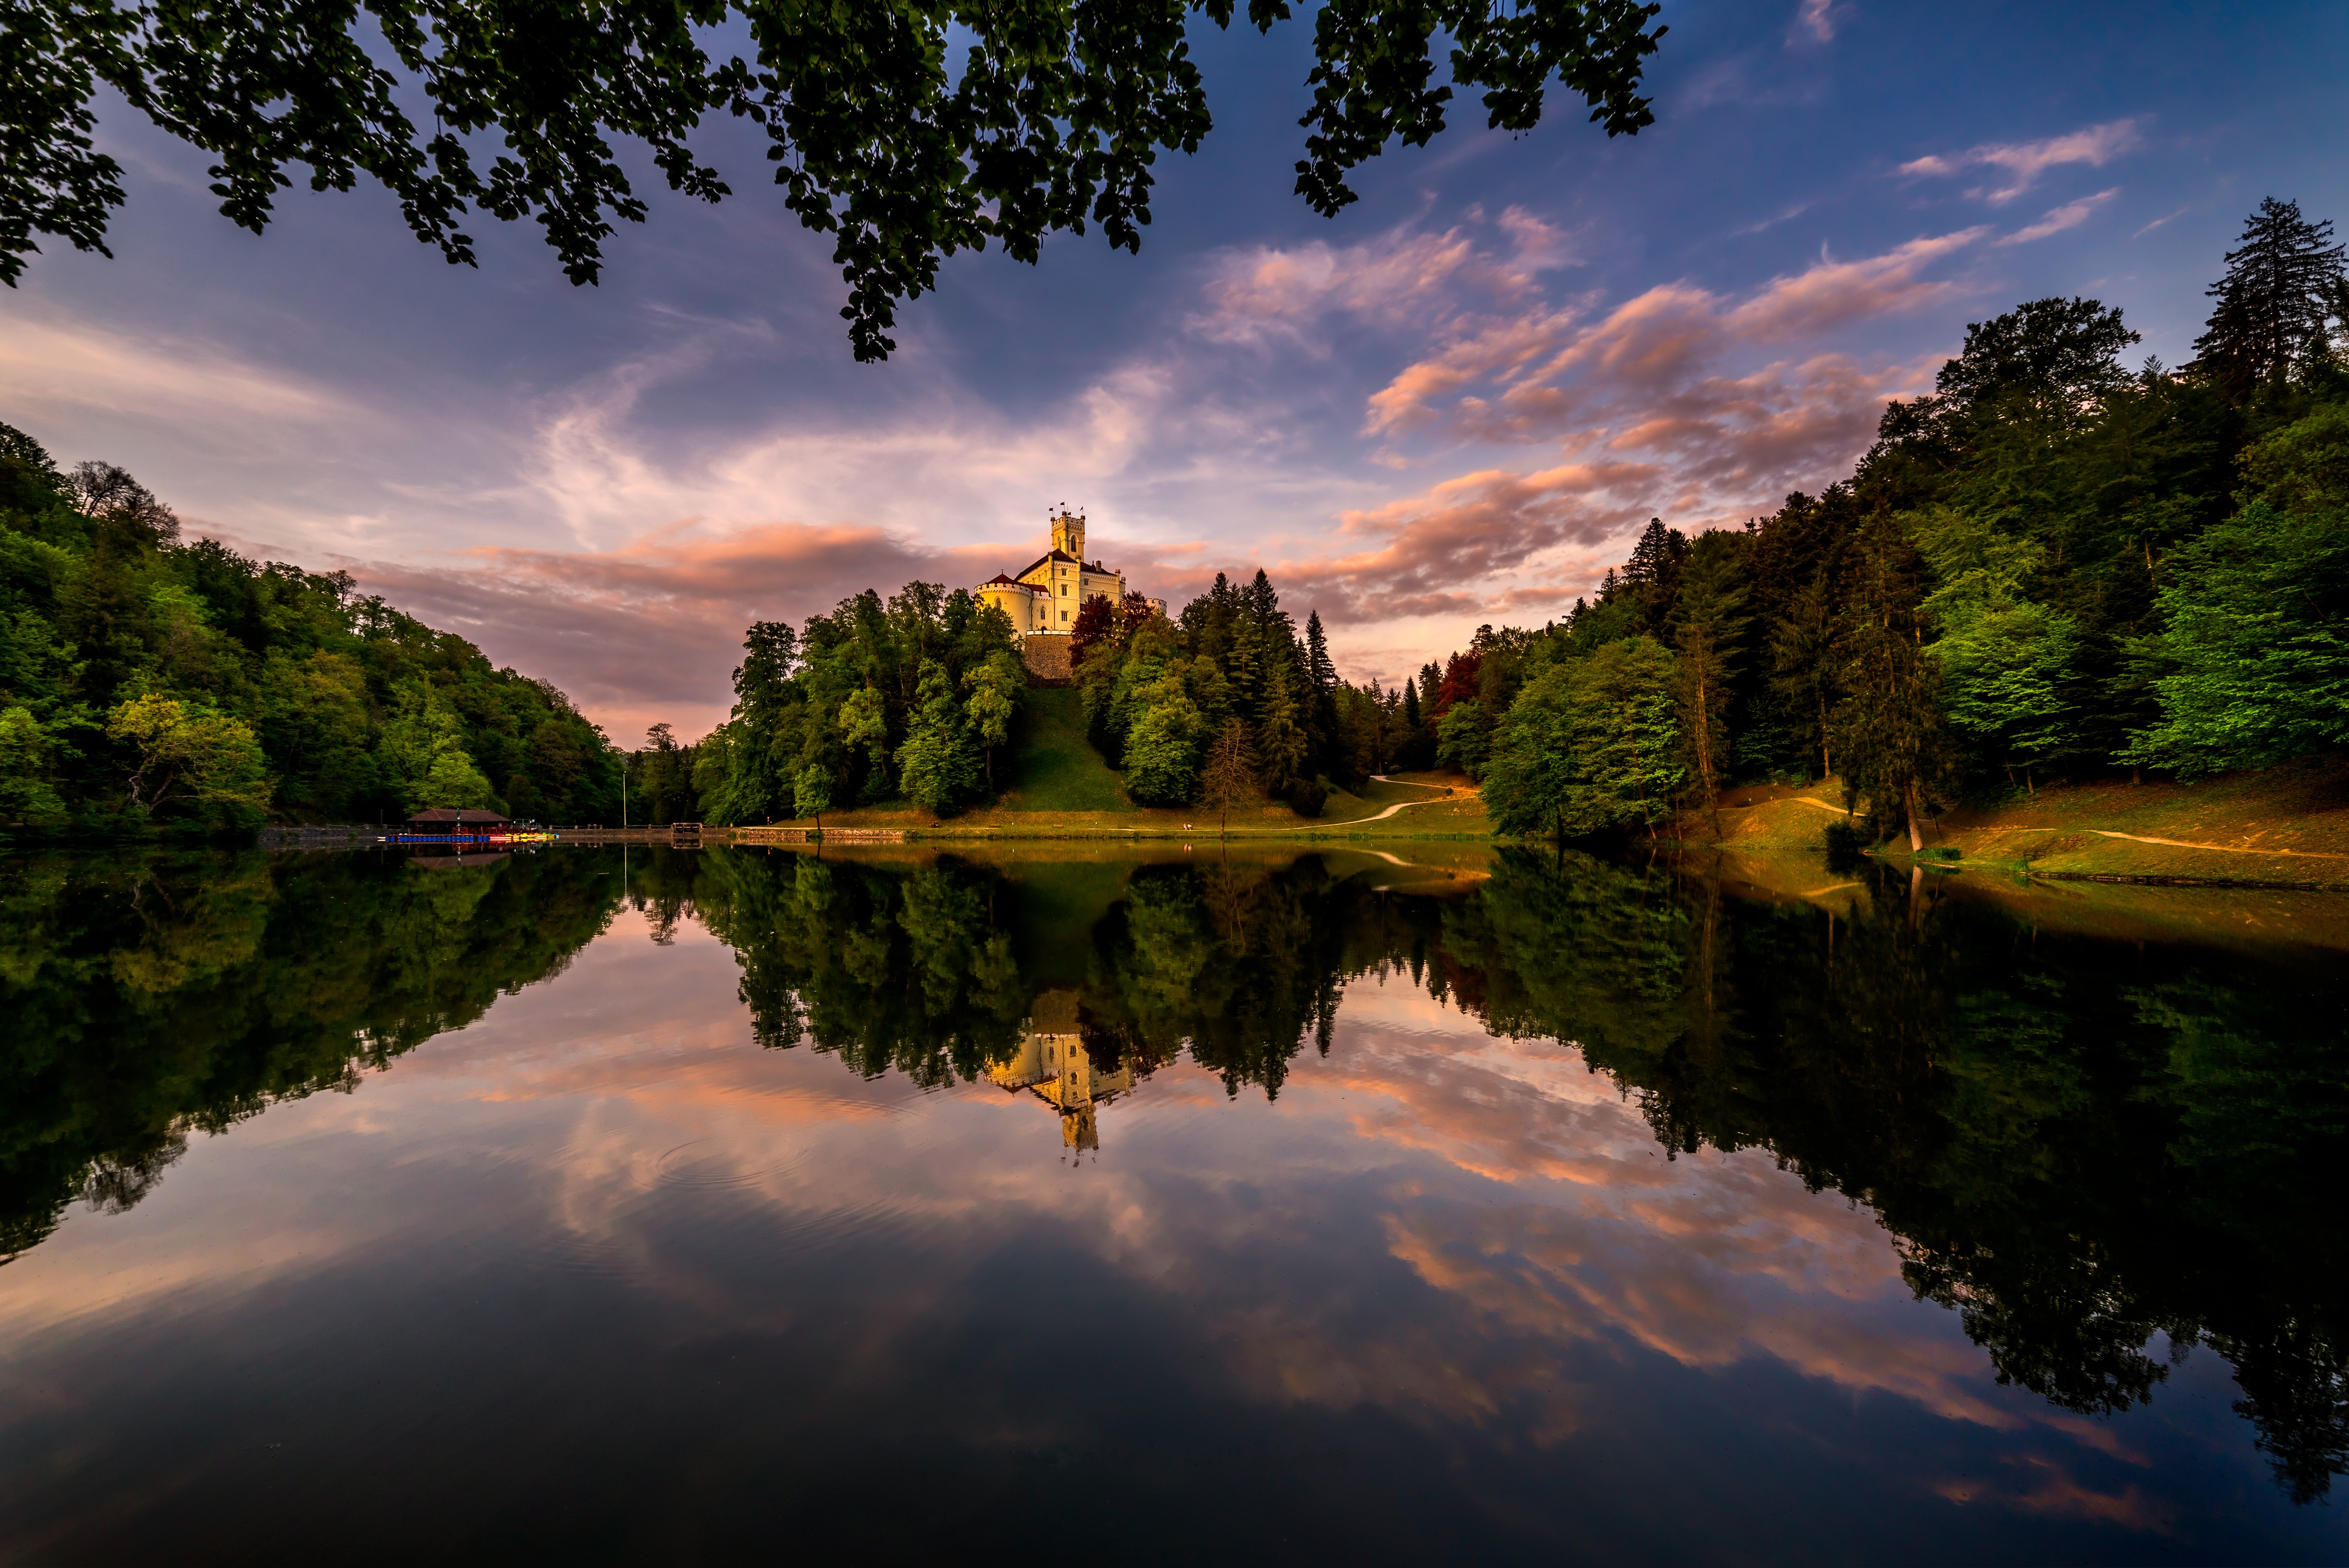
point(1435, 1203)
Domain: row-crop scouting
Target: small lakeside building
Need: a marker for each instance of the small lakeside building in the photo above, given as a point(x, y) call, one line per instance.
point(453, 819)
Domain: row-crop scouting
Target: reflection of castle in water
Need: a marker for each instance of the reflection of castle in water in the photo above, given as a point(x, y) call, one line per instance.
point(1052, 1064)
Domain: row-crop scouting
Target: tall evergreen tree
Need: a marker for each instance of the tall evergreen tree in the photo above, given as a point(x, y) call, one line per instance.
point(2283, 284)
point(1652, 576)
point(1887, 728)
point(1320, 694)
point(1709, 636)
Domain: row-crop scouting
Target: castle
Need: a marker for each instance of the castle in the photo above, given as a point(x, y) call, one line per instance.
point(1043, 599)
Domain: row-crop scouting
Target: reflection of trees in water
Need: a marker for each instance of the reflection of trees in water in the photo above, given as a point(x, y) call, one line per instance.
point(912, 970)
point(151, 993)
point(2079, 1145)
point(885, 969)
point(1240, 965)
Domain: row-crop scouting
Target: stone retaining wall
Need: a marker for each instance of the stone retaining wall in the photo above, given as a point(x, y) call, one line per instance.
point(1047, 653)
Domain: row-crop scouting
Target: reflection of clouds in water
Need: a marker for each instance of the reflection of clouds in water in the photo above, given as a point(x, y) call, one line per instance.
point(1526, 1206)
point(1708, 1259)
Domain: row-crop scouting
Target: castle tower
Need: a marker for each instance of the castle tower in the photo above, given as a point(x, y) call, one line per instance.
point(1069, 533)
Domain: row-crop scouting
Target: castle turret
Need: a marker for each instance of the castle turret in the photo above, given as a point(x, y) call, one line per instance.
point(1069, 533)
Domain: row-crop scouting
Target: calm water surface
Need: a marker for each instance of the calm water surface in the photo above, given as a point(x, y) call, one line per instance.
point(1300, 1207)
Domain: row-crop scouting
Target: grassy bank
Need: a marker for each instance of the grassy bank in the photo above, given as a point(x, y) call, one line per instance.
point(2283, 827)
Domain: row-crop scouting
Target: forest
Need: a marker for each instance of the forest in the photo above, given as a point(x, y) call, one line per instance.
point(2053, 566)
point(147, 682)
point(916, 696)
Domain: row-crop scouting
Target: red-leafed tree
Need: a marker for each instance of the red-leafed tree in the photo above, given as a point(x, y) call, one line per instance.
point(1094, 618)
point(1459, 682)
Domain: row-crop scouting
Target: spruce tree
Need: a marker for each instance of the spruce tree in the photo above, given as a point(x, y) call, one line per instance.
point(1887, 728)
point(1321, 696)
point(1323, 673)
point(1709, 634)
point(1801, 664)
point(2282, 285)
point(1281, 745)
point(1652, 576)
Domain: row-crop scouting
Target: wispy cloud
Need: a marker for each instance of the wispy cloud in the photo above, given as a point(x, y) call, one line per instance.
point(1561, 375)
point(2022, 162)
point(2070, 215)
point(1678, 402)
point(1404, 276)
point(2158, 222)
point(1815, 19)
point(76, 365)
point(1796, 210)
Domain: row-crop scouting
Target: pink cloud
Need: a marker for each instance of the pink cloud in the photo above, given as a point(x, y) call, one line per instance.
point(1399, 276)
point(1552, 377)
point(2058, 218)
point(2022, 162)
point(1447, 551)
point(1836, 294)
point(1816, 18)
point(651, 631)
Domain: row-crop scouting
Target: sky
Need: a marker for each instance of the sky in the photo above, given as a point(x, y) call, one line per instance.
point(1454, 404)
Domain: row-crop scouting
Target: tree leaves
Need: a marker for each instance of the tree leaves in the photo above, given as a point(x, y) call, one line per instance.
point(1054, 122)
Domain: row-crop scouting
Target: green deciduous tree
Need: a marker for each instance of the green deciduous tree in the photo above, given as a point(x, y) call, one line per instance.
point(1162, 755)
point(2003, 657)
point(1462, 739)
point(2257, 646)
point(28, 791)
point(187, 755)
point(994, 700)
point(938, 764)
point(1590, 745)
point(811, 793)
point(1530, 779)
point(864, 726)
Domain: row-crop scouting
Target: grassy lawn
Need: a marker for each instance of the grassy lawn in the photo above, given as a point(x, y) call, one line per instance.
point(1051, 766)
point(2287, 824)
